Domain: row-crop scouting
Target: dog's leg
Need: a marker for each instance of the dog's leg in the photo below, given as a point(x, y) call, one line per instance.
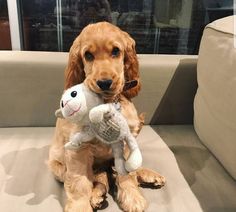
point(100, 189)
point(56, 160)
point(129, 196)
point(148, 177)
point(56, 163)
point(79, 180)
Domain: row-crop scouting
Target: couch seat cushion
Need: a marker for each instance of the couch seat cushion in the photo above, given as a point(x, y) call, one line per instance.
point(209, 181)
point(27, 185)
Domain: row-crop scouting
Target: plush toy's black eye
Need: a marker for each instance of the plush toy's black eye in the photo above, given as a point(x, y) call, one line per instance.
point(62, 104)
point(88, 56)
point(115, 52)
point(73, 94)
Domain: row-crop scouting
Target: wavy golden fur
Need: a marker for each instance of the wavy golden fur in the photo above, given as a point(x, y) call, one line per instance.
point(101, 52)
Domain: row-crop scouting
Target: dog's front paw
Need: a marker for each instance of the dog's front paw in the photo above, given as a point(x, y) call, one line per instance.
point(129, 196)
point(58, 169)
point(74, 205)
point(98, 195)
point(147, 177)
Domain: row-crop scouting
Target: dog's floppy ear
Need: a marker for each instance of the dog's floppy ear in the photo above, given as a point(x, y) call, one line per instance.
point(74, 72)
point(131, 66)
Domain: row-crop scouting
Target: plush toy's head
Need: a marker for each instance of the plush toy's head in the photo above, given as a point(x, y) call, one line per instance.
point(77, 101)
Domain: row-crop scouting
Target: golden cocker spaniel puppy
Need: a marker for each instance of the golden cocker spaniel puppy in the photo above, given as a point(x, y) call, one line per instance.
point(103, 57)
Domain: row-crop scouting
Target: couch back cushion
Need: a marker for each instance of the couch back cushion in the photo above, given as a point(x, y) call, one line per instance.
point(31, 84)
point(215, 101)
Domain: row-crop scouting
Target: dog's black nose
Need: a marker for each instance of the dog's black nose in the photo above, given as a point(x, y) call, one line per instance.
point(104, 84)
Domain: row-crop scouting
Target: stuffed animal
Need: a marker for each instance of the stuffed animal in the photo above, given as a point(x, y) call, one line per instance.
point(102, 121)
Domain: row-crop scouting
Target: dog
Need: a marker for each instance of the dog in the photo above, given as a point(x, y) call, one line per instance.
point(104, 58)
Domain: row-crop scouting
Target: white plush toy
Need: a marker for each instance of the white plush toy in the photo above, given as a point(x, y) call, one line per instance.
point(103, 121)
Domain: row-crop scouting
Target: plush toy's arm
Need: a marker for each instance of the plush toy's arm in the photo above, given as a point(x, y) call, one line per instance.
point(58, 114)
point(117, 149)
point(78, 138)
point(96, 114)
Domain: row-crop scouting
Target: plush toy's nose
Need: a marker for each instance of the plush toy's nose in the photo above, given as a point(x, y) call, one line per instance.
point(62, 104)
point(104, 84)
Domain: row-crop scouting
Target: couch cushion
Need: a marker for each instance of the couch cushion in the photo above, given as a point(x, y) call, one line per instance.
point(168, 88)
point(25, 182)
point(215, 101)
point(27, 185)
point(31, 84)
point(212, 185)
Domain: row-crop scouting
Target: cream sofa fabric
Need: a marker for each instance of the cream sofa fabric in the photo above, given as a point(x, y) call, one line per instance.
point(30, 87)
point(27, 185)
point(215, 102)
point(31, 84)
point(214, 188)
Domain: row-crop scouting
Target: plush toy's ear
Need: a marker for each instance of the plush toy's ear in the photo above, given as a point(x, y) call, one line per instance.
point(58, 114)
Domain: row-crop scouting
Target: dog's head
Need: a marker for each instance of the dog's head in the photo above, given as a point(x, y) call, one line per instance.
point(104, 57)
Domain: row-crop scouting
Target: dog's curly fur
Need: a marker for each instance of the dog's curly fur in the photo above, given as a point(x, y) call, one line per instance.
point(101, 51)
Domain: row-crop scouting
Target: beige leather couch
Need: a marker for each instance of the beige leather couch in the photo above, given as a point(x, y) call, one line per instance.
point(200, 173)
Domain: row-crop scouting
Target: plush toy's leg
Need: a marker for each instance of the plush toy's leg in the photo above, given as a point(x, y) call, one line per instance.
point(96, 114)
point(134, 160)
point(117, 149)
point(77, 139)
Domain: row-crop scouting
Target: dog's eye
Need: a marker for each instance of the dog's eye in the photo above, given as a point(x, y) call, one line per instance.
point(73, 94)
point(62, 104)
point(115, 52)
point(89, 56)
